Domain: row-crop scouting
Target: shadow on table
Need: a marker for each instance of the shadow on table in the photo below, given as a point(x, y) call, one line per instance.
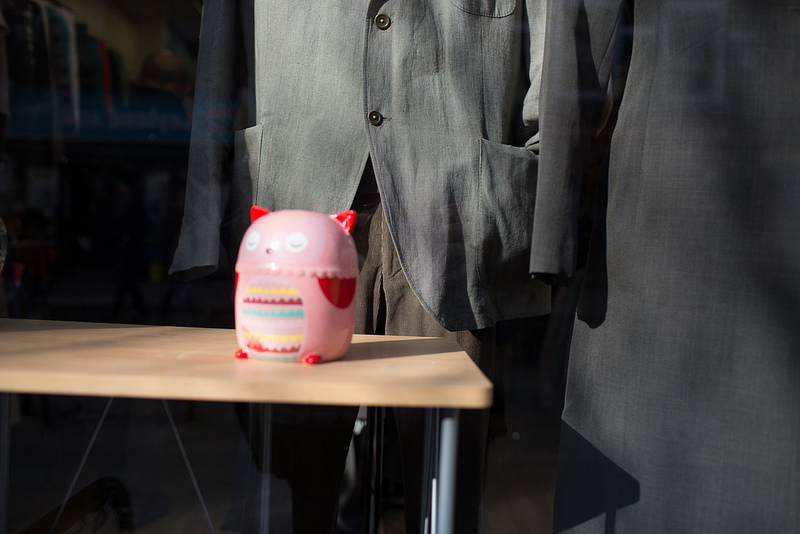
point(398, 347)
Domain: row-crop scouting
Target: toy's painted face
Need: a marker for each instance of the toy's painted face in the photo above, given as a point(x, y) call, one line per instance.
point(295, 239)
point(252, 240)
point(297, 243)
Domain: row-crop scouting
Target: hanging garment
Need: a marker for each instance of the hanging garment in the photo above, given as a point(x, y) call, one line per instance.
point(442, 96)
point(681, 411)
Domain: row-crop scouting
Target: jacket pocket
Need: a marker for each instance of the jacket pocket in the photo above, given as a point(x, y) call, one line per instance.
point(507, 197)
point(486, 8)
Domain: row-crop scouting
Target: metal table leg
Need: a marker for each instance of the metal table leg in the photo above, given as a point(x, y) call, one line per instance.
point(439, 489)
point(430, 449)
point(5, 453)
point(448, 454)
point(266, 468)
point(373, 468)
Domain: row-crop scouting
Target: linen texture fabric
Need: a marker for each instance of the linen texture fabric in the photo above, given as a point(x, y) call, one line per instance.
point(683, 388)
point(454, 151)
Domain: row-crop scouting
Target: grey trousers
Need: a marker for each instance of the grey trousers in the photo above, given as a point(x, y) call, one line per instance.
point(387, 305)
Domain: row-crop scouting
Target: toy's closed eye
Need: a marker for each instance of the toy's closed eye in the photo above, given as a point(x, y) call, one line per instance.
point(296, 242)
point(252, 240)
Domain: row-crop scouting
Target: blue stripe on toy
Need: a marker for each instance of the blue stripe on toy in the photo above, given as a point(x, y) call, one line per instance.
point(281, 314)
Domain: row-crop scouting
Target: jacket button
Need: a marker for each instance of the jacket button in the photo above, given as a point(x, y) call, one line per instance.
point(375, 118)
point(382, 21)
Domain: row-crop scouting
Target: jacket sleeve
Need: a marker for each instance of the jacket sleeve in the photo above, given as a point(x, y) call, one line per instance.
point(578, 57)
point(197, 253)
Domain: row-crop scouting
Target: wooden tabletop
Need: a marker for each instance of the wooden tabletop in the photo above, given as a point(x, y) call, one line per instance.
point(97, 359)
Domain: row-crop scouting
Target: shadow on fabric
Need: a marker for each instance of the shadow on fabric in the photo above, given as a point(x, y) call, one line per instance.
point(588, 484)
point(593, 303)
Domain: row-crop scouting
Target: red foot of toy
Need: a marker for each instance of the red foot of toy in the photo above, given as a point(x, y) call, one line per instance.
point(240, 354)
point(313, 358)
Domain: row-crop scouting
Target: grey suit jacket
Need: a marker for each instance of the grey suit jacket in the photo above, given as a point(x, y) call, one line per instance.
point(682, 411)
point(441, 94)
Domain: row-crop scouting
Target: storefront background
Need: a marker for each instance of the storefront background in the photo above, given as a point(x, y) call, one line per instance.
point(92, 178)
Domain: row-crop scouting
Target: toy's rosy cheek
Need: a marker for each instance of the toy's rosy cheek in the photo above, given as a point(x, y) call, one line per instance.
point(338, 291)
point(251, 242)
point(296, 242)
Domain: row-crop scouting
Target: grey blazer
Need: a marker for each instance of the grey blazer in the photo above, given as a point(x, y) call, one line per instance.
point(441, 94)
point(682, 411)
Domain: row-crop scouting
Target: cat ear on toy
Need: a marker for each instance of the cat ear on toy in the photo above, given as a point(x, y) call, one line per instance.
point(256, 212)
point(347, 219)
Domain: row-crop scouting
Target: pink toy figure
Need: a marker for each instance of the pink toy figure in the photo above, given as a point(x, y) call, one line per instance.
point(295, 286)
